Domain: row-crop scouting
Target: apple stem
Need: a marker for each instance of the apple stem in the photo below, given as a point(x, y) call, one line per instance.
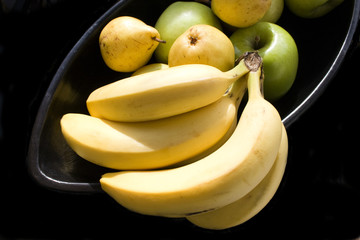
point(257, 42)
point(159, 40)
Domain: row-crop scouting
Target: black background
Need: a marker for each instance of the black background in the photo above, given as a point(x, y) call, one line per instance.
point(318, 199)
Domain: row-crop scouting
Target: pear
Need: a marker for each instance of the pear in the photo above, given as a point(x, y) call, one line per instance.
point(203, 44)
point(240, 13)
point(176, 19)
point(127, 43)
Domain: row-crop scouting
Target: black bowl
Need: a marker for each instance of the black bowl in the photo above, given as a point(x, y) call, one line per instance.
point(322, 44)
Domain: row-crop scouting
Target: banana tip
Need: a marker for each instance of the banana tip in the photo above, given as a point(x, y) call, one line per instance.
point(252, 61)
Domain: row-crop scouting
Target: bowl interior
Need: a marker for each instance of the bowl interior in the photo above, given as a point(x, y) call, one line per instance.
point(54, 165)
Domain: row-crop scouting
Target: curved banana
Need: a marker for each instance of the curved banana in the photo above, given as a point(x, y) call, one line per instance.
point(214, 181)
point(165, 93)
point(150, 68)
point(152, 144)
point(234, 91)
point(248, 206)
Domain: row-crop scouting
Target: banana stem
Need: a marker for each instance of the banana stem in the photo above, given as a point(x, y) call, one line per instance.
point(237, 90)
point(255, 84)
point(250, 61)
point(238, 71)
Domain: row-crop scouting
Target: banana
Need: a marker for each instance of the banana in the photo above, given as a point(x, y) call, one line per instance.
point(165, 93)
point(234, 91)
point(150, 68)
point(248, 206)
point(152, 144)
point(214, 181)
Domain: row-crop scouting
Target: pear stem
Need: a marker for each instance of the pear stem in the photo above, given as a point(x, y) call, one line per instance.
point(158, 40)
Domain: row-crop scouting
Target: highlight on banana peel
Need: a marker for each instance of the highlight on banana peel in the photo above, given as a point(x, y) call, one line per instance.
point(170, 134)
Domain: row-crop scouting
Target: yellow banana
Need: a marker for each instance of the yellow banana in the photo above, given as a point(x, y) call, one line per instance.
point(152, 144)
point(165, 93)
point(248, 206)
point(214, 181)
point(237, 89)
point(150, 68)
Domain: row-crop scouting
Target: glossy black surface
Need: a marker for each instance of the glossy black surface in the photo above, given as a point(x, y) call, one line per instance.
point(318, 199)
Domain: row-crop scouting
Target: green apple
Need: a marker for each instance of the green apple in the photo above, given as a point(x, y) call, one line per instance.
point(274, 12)
point(312, 8)
point(176, 19)
point(278, 50)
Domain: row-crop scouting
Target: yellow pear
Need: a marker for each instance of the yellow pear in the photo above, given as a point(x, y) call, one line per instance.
point(127, 43)
point(240, 13)
point(203, 44)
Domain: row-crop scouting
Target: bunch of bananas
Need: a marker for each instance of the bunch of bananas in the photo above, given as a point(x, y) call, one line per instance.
point(174, 133)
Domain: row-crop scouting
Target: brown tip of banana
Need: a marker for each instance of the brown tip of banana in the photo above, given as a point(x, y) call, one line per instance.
point(252, 61)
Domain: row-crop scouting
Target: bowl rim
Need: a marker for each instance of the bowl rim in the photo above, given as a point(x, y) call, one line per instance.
point(33, 163)
point(333, 70)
